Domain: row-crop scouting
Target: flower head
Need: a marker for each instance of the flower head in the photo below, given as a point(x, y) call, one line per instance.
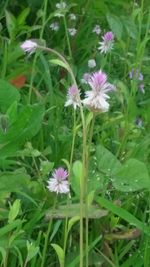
point(135, 74)
point(58, 182)
point(29, 46)
point(73, 97)
point(72, 31)
point(141, 88)
point(61, 9)
point(54, 26)
point(61, 5)
point(72, 16)
point(107, 44)
point(97, 29)
point(91, 63)
point(86, 78)
point(96, 99)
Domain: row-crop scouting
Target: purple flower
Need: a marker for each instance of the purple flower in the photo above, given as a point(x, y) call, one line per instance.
point(141, 88)
point(135, 74)
point(29, 46)
point(97, 29)
point(58, 182)
point(139, 122)
point(107, 44)
point(108, 37)
point(96, 98)
point(86, 78)
point(73, 97)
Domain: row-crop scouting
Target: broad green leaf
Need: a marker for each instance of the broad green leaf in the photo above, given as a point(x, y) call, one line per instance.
point(27, 124)
point(107, 163)
point(60, 254)
point(124, 214)
point(115, 25)
point(130, 27)
point(73, 210)
point(8, 94)
point(131, 176)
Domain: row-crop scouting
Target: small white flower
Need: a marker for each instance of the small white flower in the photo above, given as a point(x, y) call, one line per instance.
point(72, 16)
point(54, 26)
point(73, 97)
point(72, 31)
point(61, 5)
point(29, 46)
point(61, 9)
point(91, 63)
point(97, 29)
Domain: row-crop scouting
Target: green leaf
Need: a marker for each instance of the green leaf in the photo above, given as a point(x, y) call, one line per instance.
point(115, 25)
point(130, 27)
point(8, 94)
point(6, 229)
point(13, 181)
point(131, 176)
point(60, 63)
point(12, 112)
point(32, 251)
point(27, 125)
point(122, 213)
point(76, 178)
point(73, 210)
point(11, 24)
point(72, 221)
point(14, 210)
point(107, 163)
point(22, 16)
point(60, 254)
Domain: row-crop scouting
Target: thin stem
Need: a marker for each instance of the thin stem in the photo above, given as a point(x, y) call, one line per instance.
point(47, 235)
point(67, 37)
point(36, 55)
point(84, 177)
point(70, 168)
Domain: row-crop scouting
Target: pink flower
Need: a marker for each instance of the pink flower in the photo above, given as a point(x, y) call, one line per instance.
point(107, 44)
point(29, 46)
point(58, 182)
point(73, 97)
point(96, 99)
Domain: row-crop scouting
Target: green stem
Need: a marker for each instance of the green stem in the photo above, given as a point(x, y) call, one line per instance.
point(36, 55)
point(83, 178)
point(70, 168)
point(67, 37)
point(47, 236)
